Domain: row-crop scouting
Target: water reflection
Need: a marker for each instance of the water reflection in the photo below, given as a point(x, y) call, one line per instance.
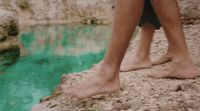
point(47, 53)
point(66, 40)
point(8, 57)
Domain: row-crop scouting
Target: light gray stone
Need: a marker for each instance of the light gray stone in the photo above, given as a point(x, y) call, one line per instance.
point(8, 30)
point(8, 23)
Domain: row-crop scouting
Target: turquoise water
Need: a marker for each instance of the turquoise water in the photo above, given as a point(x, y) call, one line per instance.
point(47, 52)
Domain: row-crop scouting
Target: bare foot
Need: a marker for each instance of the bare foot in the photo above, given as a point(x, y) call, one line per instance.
point(95, 84)
point(164, 59)
point(136, 64)
point(179, 71)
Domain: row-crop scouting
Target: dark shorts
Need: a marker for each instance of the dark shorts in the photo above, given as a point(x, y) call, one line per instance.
point(149, 15)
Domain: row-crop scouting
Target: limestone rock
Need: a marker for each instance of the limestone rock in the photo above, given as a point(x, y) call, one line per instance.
point(6, 5)
point(8, 30)
point(190, 10)
point(85, 11)
point(58, 10)
point(8, 37)
point(8, 23)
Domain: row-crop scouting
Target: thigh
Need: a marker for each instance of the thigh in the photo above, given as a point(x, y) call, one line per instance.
point(167, 10)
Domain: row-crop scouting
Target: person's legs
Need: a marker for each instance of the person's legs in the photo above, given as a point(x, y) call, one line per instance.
point(106, 79)
point(182, 65)
point(148, 22)
point(142, 57)
point(167, 57)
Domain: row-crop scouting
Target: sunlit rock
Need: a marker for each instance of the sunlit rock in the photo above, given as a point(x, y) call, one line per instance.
point(190, 11)
point(62, 11)
point(9, 49)
point(8, 29)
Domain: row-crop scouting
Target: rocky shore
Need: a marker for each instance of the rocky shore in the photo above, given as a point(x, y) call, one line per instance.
point(9, 45)
point(138, 92)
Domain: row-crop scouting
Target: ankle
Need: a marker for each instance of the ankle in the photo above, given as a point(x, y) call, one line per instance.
point(142, 57)
point(182, 60)
point(108, 72)
point(169, 53)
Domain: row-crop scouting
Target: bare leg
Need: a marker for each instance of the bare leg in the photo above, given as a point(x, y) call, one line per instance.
point(182, 65)
point(141, 59)
point(106, 79)
point(166, 57)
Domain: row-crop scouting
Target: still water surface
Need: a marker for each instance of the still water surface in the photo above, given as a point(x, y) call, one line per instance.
point(47, 52)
